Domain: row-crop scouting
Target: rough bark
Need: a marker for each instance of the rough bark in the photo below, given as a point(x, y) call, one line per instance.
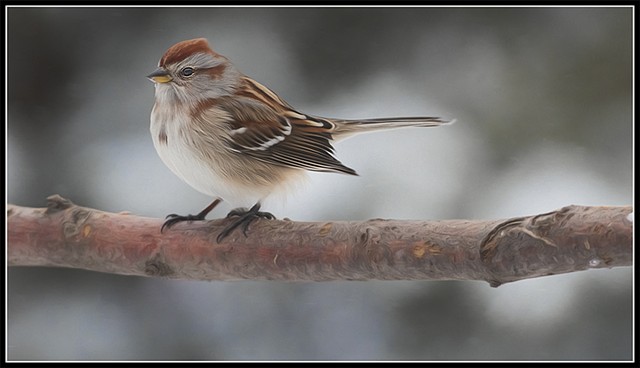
point(570, 239)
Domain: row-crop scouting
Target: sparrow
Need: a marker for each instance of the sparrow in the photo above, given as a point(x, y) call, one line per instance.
point(232, 138)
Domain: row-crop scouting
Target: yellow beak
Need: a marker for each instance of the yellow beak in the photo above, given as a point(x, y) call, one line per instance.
point(160, 76)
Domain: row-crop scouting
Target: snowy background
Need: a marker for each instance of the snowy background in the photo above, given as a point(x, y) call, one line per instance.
point(543, 102)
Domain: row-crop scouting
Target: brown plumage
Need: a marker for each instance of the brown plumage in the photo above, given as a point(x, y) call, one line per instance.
point(230, 137)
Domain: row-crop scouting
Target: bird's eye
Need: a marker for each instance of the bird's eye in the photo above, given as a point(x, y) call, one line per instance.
point(186, 72)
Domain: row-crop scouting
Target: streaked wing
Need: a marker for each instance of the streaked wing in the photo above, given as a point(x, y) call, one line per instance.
point(254, 126)
point(286, 139)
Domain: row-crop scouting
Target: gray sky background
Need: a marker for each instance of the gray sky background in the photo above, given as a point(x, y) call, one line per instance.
point(543, 102)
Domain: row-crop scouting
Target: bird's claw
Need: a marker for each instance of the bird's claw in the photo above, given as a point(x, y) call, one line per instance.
point(245, 218)
point(174, 219)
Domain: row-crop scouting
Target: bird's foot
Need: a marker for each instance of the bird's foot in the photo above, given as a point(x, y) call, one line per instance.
point(245, 218)
point(173, 218)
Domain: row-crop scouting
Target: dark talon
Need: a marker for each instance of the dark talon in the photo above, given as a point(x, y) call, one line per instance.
point(245, 218)
point(174, 218)
point(237, 212)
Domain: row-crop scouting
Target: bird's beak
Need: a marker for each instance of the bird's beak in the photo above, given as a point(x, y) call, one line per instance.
point(160, 76)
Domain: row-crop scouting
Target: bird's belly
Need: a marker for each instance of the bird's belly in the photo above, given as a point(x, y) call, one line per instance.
point(213, 176)
point(189, 168)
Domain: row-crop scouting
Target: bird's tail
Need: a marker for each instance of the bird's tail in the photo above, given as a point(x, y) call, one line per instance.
point(347, 128)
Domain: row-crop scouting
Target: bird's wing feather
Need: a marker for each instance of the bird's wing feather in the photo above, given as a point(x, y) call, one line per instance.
point(278, 137)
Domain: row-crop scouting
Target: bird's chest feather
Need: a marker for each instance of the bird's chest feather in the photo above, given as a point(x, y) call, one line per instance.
point(196, 151)
point(182, 150)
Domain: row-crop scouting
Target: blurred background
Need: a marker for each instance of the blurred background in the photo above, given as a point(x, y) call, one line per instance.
point(543, 102)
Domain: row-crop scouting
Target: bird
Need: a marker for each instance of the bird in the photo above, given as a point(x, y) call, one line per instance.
point(234, 139)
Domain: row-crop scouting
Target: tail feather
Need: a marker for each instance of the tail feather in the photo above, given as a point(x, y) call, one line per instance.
point(346, 128)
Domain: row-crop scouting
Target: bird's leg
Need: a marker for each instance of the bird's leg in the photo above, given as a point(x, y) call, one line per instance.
point(245, 217)
point(174, 219)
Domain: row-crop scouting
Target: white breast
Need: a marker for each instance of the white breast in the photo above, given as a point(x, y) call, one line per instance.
point(177, 150)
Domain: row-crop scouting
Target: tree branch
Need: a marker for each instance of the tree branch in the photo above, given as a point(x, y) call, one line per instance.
point(570, 239)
